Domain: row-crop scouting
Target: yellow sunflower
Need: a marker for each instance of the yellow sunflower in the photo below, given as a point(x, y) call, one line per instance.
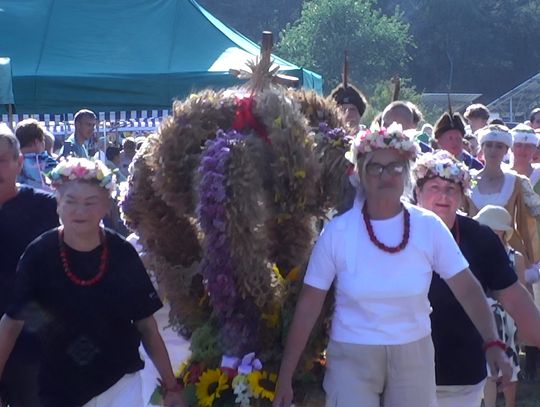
point(262, 384)
point(210, 386)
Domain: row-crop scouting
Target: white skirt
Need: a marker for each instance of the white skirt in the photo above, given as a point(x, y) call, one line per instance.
point(125, 392)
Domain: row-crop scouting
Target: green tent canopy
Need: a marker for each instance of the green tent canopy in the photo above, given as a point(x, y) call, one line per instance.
point(6, 87)
point(120, 55)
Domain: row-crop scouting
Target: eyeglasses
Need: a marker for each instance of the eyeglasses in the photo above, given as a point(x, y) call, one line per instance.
point(392, 169)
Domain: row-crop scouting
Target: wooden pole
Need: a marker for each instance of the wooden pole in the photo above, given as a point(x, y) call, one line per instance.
point(396, 80)
point(346, 70)
point(267, 41)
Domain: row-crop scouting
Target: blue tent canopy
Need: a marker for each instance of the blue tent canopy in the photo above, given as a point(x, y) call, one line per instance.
point(120, 55)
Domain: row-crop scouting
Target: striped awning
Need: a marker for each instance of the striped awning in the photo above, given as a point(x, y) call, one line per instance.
point(134, 120)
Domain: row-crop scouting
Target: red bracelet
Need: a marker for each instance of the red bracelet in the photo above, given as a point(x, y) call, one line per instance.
point(495, 343)
point(177, 388)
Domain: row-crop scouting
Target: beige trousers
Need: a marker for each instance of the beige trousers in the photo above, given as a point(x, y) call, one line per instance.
point(380, 376)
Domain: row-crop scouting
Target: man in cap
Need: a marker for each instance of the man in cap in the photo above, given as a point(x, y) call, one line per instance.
point(352, 102)
point(449, 132)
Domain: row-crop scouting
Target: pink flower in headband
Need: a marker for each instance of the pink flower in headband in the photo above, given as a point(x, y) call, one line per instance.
point(79, 171)
point(392, 137)
point(83, 169)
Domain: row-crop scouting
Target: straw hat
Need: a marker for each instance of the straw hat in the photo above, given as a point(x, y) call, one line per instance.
point(497, 218)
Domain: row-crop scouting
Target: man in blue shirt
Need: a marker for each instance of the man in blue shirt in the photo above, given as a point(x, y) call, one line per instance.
point(75, 145)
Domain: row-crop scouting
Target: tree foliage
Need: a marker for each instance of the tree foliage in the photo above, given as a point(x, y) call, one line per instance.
point(381, 96)
point(251, 17)
point(377, 43)
point(491, 44)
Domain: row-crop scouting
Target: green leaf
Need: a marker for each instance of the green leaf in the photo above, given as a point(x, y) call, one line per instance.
point(156, 399)
point(190, 395)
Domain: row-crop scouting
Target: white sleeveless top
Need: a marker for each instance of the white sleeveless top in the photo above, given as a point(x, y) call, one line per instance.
point(500, 198)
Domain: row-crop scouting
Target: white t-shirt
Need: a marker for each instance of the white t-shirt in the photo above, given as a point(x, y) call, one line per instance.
point(381, 298)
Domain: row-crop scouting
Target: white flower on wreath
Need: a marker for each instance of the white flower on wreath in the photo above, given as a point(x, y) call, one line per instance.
point(442, 164)
point(242, 390)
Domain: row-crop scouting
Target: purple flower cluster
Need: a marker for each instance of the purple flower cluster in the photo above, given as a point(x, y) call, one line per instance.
point(333, 133)
point(217, 266)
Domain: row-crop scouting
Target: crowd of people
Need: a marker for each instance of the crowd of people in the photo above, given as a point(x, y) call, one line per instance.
point(42, 150)
point(433, 267)
point(479, 177)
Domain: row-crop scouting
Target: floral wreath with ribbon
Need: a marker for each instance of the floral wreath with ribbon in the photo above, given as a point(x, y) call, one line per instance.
point(83, 169)
point(444, 165)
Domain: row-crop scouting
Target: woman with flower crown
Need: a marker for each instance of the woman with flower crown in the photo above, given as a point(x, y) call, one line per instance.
point(525, 145)
point(381, 255)
point(84, 292)
point(441, 182)
point(497, 185)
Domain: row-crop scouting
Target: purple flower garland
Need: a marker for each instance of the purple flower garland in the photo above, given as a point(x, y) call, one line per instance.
point(237, 317)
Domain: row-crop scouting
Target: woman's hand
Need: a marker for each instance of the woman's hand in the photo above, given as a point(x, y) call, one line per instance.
point(155, 348)
point(173, 399)
point(498, 362)
point(308, 308)
point(284, 394)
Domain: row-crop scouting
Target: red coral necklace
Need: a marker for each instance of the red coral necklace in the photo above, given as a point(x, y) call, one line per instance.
point(103, 264)
point(381, 245)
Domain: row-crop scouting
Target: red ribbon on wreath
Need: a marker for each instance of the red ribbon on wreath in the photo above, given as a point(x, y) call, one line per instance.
point(244, 118)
